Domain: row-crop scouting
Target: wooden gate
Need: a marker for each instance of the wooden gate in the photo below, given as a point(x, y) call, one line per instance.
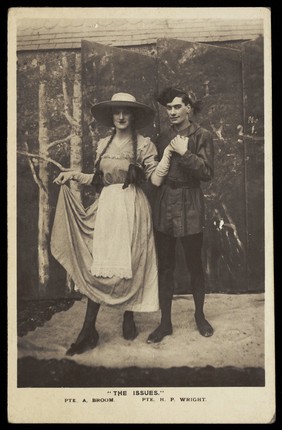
point(215, 75)
point(253, 92)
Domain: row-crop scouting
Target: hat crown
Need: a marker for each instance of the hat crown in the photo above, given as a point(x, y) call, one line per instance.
point(103, 111)
point(123, 97)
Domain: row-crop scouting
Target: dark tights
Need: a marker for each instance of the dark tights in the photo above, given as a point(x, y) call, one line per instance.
point(88, 336)
point(192, 246)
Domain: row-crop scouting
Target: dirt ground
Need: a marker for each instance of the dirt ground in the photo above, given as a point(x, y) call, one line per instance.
point(64, 372)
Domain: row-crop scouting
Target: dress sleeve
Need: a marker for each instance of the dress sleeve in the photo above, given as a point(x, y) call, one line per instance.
point(148, 157)
point(201, 163)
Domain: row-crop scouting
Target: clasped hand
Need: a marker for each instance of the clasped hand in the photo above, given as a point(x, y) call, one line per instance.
point(179, 144)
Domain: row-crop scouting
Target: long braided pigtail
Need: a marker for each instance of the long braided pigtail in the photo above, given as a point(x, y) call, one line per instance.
point(134, 144)
point(106, 146)
point(98, 175)
point(135, 174)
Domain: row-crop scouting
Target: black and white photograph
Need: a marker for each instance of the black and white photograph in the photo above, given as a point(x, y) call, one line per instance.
point(140, 236)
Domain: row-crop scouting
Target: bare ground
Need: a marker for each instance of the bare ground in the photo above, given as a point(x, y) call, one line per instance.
point(33, 372)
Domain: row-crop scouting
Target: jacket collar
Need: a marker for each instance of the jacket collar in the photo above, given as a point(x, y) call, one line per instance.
point(188, 131)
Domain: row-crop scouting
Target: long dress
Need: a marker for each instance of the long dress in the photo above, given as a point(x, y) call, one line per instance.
point(108, 249)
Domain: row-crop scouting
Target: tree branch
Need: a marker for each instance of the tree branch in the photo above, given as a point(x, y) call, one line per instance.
point(33, 172)
point(63, 140)
point(48, 160)
point(70, 119)
point(34, 175)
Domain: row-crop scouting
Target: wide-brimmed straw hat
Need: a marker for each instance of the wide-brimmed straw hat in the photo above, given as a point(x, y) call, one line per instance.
point(103, 112)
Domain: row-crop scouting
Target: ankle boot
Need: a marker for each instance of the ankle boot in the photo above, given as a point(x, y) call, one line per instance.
point(88, 336)
point(129, 329)
point(203, 325)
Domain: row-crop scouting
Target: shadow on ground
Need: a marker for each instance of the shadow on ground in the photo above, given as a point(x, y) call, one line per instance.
point(66, 373)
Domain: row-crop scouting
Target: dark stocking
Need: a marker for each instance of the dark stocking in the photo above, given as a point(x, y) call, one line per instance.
point(88, 336)
point(129, 329)
point(192, 246)
point(166, 259)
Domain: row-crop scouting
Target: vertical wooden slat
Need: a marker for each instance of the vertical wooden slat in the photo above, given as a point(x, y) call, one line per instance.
point(253, 94)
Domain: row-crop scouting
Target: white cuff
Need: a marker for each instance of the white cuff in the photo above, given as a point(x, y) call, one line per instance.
point(83, 178)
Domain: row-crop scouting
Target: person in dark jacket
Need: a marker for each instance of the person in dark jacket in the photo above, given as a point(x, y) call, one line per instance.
point(179, 207)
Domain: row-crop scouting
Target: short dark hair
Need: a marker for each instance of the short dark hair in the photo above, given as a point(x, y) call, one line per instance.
point(168, 94)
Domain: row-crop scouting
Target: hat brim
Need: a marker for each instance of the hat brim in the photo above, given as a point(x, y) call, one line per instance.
point(103, 113)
